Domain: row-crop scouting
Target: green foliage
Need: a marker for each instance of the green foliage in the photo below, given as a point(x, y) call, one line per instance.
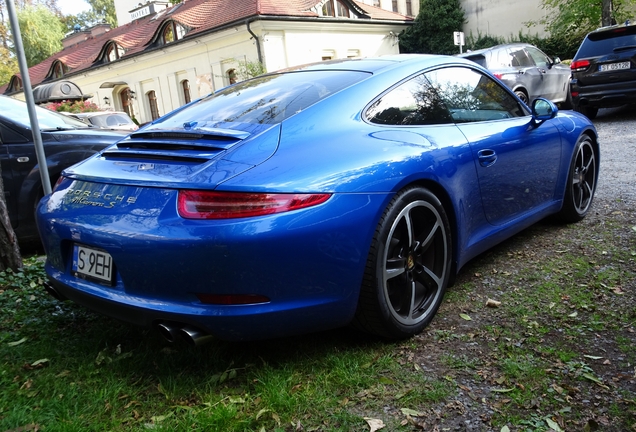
point(432, 31)
point(249, 69)
point(568, 21)
point(8, 65)
point(42, 33)
point(102, 11)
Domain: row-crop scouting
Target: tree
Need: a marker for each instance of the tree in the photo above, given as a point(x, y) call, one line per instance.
point(42, 33)
point(573, 19)
point(102, 11)
point(432, 31)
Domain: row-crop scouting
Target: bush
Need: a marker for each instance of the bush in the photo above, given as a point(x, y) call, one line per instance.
point(72, 106)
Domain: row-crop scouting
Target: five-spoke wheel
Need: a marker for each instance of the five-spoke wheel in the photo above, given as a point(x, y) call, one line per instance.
point(408, 267)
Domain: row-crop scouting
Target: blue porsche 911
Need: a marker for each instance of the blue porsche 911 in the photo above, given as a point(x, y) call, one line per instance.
point(345, 192)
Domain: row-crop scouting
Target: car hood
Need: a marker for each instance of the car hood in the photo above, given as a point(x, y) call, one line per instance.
point(198, 155)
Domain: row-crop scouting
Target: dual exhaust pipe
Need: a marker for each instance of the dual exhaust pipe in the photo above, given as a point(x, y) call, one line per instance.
point(170, 331)
point(193, 336)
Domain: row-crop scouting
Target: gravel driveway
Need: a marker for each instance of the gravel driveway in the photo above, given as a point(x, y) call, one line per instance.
point(617, 136)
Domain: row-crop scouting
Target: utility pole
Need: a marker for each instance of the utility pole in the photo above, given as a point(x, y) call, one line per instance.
point(606, 13)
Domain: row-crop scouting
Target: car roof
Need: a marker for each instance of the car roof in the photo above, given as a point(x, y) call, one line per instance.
point(493, 48)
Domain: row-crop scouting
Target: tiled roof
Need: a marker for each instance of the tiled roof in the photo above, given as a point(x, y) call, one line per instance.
point(199, 16)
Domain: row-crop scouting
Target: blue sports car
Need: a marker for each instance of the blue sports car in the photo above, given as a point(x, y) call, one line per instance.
point(345, 192)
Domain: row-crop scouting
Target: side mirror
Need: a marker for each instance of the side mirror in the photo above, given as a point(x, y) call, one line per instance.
point(542, 110)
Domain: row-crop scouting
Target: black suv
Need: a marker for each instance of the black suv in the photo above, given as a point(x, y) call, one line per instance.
point(66, 141)
point(604, 70)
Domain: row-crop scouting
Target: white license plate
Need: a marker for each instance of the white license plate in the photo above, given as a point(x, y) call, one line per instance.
point(614, 66)
point(92, 263)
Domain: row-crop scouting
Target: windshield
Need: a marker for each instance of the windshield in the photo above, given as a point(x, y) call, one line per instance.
point(17, 112)
point(267, 99)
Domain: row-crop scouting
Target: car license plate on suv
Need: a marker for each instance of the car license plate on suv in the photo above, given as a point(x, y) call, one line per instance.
point(614, 66)
point(92, 264)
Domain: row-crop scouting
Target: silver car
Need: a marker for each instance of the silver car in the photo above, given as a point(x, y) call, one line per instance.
point(527, 71)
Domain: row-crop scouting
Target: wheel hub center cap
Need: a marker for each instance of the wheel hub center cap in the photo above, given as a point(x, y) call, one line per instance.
point(410, 263)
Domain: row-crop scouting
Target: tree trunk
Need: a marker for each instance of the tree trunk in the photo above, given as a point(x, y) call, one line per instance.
point(9, 249)
point(606, 13)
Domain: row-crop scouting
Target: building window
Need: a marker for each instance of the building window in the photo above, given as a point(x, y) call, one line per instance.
point(185, 85)
point(335, 8)
point(152, 101)
point(394, 6)
point(58, 70)
point(113, 52)
point(171, 32)
point(409, 8)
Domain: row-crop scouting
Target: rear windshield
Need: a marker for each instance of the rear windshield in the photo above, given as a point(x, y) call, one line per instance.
point(607, 42)
point(264, 100)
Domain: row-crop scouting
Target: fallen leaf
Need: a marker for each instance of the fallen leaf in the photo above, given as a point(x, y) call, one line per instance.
point(504, 429)
point(412, 413)
point(502, 390)
point(374, 424)
point(40, 362)
point(553, 425)
point(573, 315)
point(466, 317)
point(493, 303)
point(16, 343)
point(593, 357)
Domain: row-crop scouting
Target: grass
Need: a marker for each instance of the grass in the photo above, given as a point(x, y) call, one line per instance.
point(558, 353)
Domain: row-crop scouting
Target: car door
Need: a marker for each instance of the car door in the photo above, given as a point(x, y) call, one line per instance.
point(517, 164)
point(553, 80)
point(529, 75)
point(14, 150)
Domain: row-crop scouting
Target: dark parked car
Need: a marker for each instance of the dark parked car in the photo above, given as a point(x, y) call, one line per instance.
point(307, 199)
point(66, 142)
point(604, 70)
point(527, 71)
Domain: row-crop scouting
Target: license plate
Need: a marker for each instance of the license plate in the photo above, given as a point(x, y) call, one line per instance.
point(93, 264)
point(614, 66)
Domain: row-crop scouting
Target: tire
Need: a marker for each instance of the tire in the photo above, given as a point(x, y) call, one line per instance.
point(567, 102)
point(523, 96)
point(581, 184)
point(589, 112)
point(408, 267)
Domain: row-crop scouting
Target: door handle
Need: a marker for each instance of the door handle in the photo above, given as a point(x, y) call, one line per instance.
point(23, 159)
point(487, 157)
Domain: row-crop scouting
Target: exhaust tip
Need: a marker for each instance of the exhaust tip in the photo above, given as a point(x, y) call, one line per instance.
point(168, 331)
point(53, 292)
point(194, 336)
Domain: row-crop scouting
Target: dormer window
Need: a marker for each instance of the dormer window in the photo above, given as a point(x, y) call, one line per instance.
point(172, 32)
point(58, 70)
point(113, 52)
point(15, 85)
point(335, 8)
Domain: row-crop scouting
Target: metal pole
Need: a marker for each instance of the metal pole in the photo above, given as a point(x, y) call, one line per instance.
point(28, 93)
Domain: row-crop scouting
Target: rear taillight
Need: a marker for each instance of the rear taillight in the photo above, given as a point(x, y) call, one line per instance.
point(579, 65)
point(499, 75)
point(230, 205)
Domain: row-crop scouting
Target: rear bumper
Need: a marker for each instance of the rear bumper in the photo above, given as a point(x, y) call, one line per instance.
point(603, 96)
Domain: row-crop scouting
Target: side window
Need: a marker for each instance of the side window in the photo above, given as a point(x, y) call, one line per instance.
point(540, 59)
point(411, 103)
point(472, 96)
point(8, 136)
point(521, 59)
